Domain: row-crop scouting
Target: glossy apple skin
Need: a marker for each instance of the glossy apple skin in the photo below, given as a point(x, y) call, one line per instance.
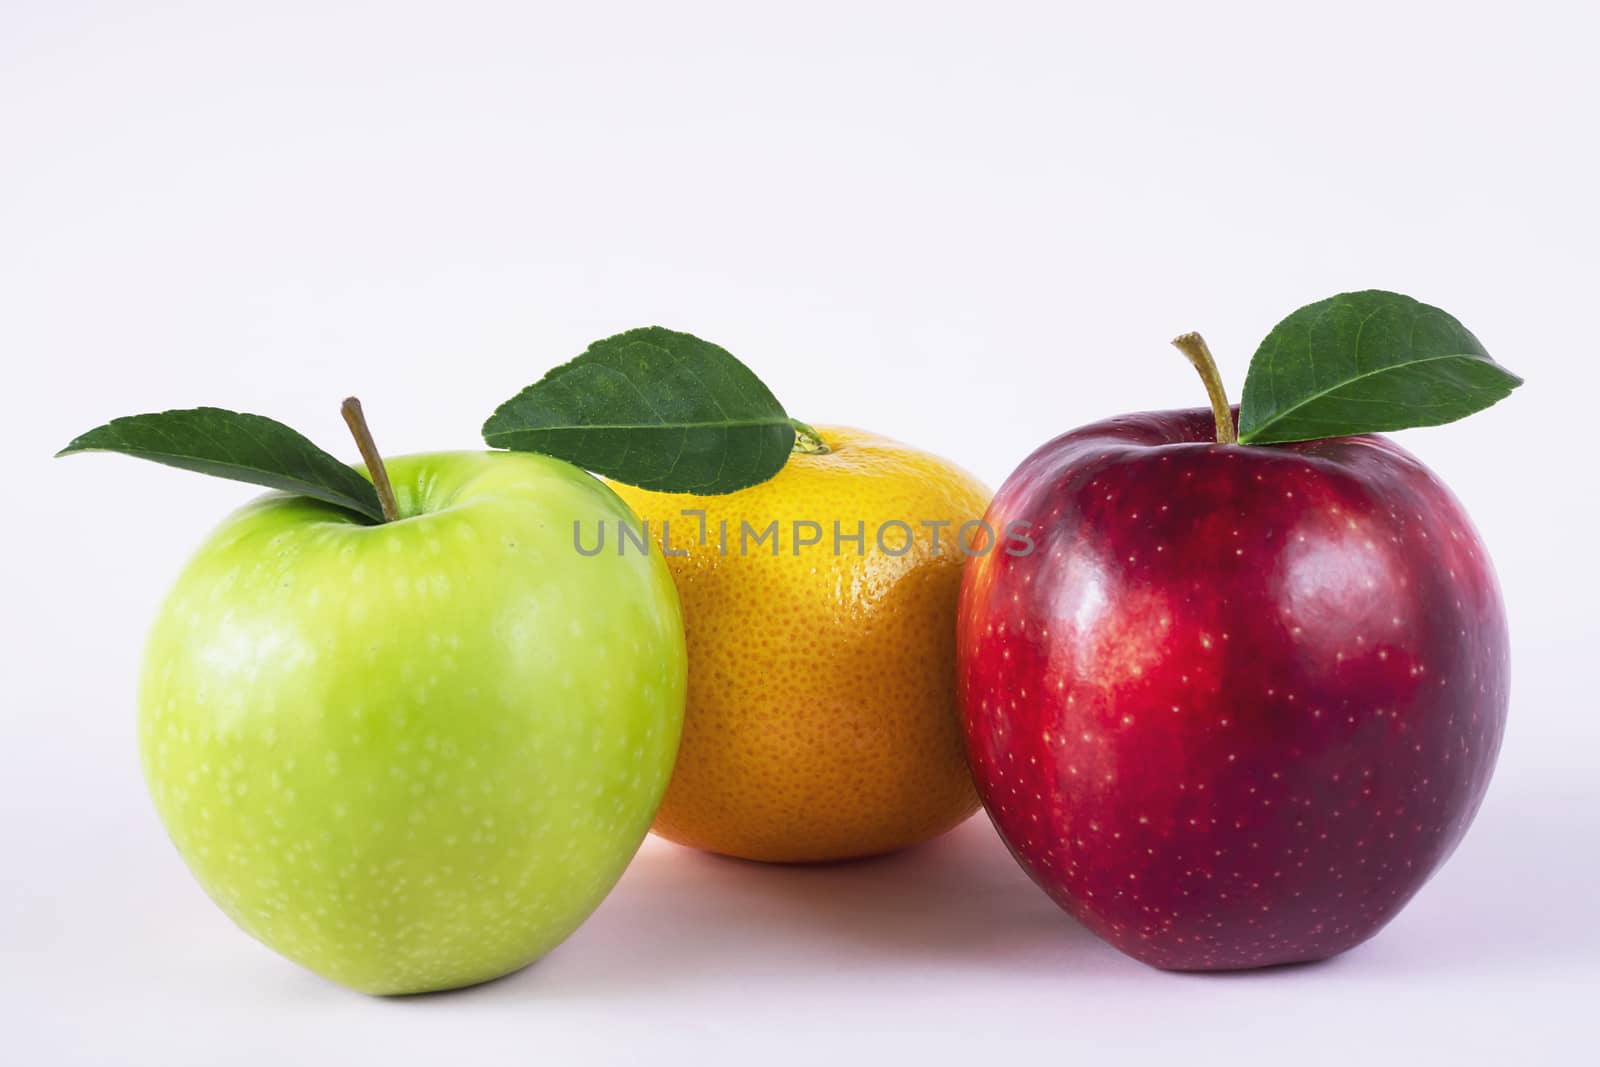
point(416, 755)
point(1239, 703)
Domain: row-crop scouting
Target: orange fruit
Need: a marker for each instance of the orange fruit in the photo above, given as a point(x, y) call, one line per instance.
point(821, 721)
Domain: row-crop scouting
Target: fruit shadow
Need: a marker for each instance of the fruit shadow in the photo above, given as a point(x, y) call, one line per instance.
point(1517, 892)
point(1501, 904)
point(680, 915)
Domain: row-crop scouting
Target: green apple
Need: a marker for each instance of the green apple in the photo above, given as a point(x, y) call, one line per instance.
point(415, 755)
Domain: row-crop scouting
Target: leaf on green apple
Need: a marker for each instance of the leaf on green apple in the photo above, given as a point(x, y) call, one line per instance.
point(654, 408)
point(231, 444)
point(1365, 363)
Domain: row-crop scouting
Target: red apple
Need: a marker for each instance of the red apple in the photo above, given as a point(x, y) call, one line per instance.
point(1238, 703)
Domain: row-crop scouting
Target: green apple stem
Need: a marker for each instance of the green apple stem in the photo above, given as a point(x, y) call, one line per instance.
point(808, 441)
point(1194, 346)
point(353, 417)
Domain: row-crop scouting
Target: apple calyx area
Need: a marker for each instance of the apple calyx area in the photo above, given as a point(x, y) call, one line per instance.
point(357, 421)
point(1198, 352)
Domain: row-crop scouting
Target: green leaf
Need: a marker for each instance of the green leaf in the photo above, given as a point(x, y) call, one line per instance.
point(230, 444)
point(1364, 363)
point(654, 408)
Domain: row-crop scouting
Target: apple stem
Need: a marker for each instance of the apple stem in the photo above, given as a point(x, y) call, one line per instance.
point(357, 421)
point(808, 441)
point(1194, 346)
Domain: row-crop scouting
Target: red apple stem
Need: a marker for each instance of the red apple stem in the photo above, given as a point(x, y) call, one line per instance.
point(1194, 346)
point(357, 421)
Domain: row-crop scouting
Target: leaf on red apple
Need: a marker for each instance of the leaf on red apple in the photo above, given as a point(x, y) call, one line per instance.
point(231, 444)
point(1365, 363)
point(654, 408)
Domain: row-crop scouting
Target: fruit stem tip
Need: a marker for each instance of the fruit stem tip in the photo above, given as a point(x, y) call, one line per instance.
point(1195, 348)
point(807, 440)
point(357, 421)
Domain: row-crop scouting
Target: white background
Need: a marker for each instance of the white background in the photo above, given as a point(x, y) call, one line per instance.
point(970, 226)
